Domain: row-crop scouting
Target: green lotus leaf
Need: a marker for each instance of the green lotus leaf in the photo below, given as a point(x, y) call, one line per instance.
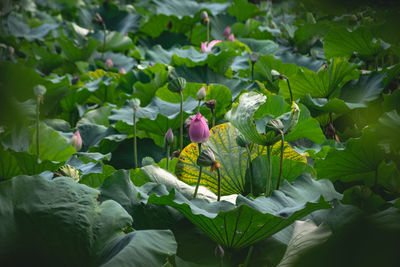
point(251, 220)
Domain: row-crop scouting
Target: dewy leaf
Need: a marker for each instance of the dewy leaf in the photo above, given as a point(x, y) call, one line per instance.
point(251, 220)
point(233, 160)
point(358, 161)
point(305, 235)
point(325, 83)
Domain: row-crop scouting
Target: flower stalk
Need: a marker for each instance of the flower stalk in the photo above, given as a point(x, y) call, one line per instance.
point(39, 91)
point(200, 172)
point(135, 164)
point(269, 174)
point(281, 161)
point(181, 122)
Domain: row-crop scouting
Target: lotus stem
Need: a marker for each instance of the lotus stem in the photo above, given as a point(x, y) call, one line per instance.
point(181, 130)
point(281, 163)
point(290, 89)
point(246, 261)
point(104, 41)
point(37, 126)
point(251, 168)
point(208, 31)
point(269, 176)
point(213, 117)
point(168, 153)
point(200, 171)
point(252, 71)
point(219, 184)
point(198, 106)
point(135, 164)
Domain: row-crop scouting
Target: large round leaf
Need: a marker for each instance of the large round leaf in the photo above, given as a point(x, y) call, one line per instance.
point(233, 160)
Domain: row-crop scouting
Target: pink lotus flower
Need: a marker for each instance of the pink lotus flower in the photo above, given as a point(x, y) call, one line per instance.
point(109, 63)
point(201, 94)
point(122, 70)
point(226, 32)
point(76, 141)
point(206, 47)
point(198, 130)
point(231, 37)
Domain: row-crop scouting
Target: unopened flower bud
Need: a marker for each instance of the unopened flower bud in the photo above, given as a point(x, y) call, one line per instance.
point(201, 94)
point(198, 130)
point(219, 252)
point(206, 158)
point(169, 137)
point(254, 58)
point(76, 141)
point(231, 37)
point(134, 103)
point(203, 15)
point(39, 90)
point(122, 70)
point(211, 104)
point(275, 74)
point(109, 63)
point(189, 119)
point(226, 32)
point(75, 80)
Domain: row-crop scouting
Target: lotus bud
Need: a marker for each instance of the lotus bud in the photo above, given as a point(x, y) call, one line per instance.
point(231, 37)
point(204, 17)
point(201, 94)
point(122, 70)
point(206, 158)
point(274, 125)
point(75, 80)
point(276, 75)
point(39, 90)
point(189, 119)
point(98, 19)
point(211, 104)
point(109, 63)
point(169, 137)
point(68, 171)
point(177, 85)
point(219, 252)
point(11, 51)
point(254, 58)
point(147, 161)
point(76, 141)
point(226, 32)
point(134, 103)
point(198, 130)
point(242, 141)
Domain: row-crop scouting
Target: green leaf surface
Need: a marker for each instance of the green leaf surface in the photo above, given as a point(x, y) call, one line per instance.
point(359, 161)
point(242, 10)
point(251, 220)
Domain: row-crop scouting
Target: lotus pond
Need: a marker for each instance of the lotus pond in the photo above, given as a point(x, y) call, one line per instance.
point(191, 133)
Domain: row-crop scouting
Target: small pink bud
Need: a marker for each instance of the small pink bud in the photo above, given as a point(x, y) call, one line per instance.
point(231, 37)
point(76, 141)
point(207, 47)
point(198, 130)
point(201, 94)
point(109, 63)
point(122, 70)
point(226, 32)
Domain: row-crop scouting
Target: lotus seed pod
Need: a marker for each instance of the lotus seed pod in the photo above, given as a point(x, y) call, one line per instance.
point(211, 104)
point(147, 161)
point(177, 84)
point(201, 94)
point(254, 57)
point(206, 158)
point(242, 141)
